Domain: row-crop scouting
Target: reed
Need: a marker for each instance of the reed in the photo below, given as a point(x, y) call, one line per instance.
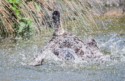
point(27, 17)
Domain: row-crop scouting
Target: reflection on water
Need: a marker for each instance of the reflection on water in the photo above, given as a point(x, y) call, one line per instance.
point(13, 60)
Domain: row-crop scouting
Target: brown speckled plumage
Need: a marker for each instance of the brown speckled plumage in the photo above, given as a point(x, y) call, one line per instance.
point(67, 46)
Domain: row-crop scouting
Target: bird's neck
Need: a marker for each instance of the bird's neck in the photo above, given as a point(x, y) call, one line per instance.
point(59, 30)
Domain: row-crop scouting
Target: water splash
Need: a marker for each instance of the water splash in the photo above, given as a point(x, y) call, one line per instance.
point(113, 44)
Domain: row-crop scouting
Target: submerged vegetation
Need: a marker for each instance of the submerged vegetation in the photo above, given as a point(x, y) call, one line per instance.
point(24, 18)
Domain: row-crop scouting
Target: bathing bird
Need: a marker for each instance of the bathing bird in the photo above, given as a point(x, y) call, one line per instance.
point(68, 47)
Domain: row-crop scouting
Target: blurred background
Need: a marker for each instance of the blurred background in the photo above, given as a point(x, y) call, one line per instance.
point(25, 18)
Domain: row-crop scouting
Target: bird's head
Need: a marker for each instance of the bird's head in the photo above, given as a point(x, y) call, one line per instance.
point(56, 18)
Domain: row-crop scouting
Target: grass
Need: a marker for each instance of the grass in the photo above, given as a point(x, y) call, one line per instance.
point(25, 16)
point(34, 17)
point(113, 24)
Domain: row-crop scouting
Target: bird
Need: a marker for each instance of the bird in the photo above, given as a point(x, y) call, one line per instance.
point(68, 47)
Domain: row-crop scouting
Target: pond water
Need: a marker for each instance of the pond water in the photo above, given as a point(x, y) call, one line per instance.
point(14, 58)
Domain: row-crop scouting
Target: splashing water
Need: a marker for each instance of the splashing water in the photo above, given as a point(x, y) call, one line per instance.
point(13, 62)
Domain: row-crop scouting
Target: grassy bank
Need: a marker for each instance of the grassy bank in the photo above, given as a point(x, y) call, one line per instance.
point(25, 18)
